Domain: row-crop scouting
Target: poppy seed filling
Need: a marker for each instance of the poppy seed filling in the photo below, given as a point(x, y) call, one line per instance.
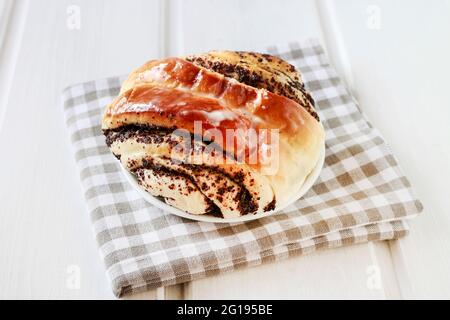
point(246, 204)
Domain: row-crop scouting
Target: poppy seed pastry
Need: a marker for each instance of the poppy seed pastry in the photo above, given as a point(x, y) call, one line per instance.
point(259, 71)
point(223, 133)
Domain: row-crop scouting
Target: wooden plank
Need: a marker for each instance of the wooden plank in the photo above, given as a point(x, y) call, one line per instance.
point(46, 239)
point(399, 69)
point(202, 25)
point(343, 273)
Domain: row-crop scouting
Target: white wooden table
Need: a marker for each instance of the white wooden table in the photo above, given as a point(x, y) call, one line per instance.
point(393, 56)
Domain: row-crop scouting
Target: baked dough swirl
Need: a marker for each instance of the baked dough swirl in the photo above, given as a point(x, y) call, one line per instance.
point(174, 118)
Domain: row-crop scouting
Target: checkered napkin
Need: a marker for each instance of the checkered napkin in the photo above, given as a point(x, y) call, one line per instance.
point(361, 194)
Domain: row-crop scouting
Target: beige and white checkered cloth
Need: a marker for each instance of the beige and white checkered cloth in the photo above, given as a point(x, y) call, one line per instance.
point(361, 194)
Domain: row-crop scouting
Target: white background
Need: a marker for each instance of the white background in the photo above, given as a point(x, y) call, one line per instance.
point(397, 69)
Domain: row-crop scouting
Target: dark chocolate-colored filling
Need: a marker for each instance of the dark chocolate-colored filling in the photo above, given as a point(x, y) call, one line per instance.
point(153, 134)
point(242, 73)
point(270, 206)
point(212, 208)
point(246, 204)
point(144, 133)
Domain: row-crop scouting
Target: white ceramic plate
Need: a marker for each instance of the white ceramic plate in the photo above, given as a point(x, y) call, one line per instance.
point(309, 181)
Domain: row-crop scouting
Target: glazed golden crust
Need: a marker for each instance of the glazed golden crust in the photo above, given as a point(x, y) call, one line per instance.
point(174, 93)
point(260, 71)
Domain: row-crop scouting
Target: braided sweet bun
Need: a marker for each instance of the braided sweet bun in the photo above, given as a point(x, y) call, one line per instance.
point(223, 133)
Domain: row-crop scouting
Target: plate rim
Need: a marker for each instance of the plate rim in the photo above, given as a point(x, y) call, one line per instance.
point(307, 184)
